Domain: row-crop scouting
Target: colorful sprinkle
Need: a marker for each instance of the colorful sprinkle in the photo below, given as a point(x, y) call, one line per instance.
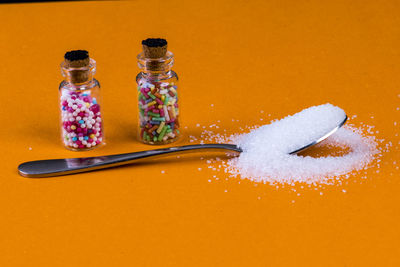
point(158, 112)
point(81, 120)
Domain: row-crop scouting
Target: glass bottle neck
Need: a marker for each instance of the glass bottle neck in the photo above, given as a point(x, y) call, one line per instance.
point(80, 86)
point(79, 77)
point(156, 68)
point(155, 76)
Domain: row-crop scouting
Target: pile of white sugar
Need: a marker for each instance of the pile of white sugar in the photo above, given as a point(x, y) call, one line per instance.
point(265, 157)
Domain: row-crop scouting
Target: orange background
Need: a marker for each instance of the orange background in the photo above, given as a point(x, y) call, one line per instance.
point(240, 56)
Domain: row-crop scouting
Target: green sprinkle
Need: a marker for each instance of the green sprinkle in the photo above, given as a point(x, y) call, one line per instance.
point(145, 135)
point(158, 119)
point(160, 137)
point(165, 100)
point(169, 131)
point(177, 131)
point(151, 95)
point(148, 138)
point(155, 139)
point(153, 114)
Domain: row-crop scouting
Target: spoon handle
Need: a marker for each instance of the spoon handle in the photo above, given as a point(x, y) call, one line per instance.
point(57, 167)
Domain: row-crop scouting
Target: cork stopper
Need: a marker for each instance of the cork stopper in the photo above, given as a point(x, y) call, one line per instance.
point(154, 47)
point(78, 59)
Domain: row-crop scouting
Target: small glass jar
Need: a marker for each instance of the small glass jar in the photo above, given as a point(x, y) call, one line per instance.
point(81, 119)
point(158, 100)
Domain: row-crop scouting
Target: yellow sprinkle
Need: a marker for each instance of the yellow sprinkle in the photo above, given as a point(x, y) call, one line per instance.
point(92, 136)
point(173, 111)
point(159, 106)
point(163, 98)
point(160, 127)
point(87, 104)
point(151, 103)
point(173, 90)
point(73, 127)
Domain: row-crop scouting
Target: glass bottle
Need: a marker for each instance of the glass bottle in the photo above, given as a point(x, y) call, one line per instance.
point(158, 94)
point(79, 95)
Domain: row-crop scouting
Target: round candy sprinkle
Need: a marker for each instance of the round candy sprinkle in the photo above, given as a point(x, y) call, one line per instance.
point(80, 114)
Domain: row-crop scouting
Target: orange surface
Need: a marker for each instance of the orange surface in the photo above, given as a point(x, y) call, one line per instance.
point(240, 56)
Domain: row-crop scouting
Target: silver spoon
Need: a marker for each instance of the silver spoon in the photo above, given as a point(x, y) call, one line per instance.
point(57, 167)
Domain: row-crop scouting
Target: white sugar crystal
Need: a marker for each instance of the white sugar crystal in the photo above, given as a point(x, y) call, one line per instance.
point(265, 157)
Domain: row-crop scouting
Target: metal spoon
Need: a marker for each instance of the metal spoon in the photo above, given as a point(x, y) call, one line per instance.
point(57, 167)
